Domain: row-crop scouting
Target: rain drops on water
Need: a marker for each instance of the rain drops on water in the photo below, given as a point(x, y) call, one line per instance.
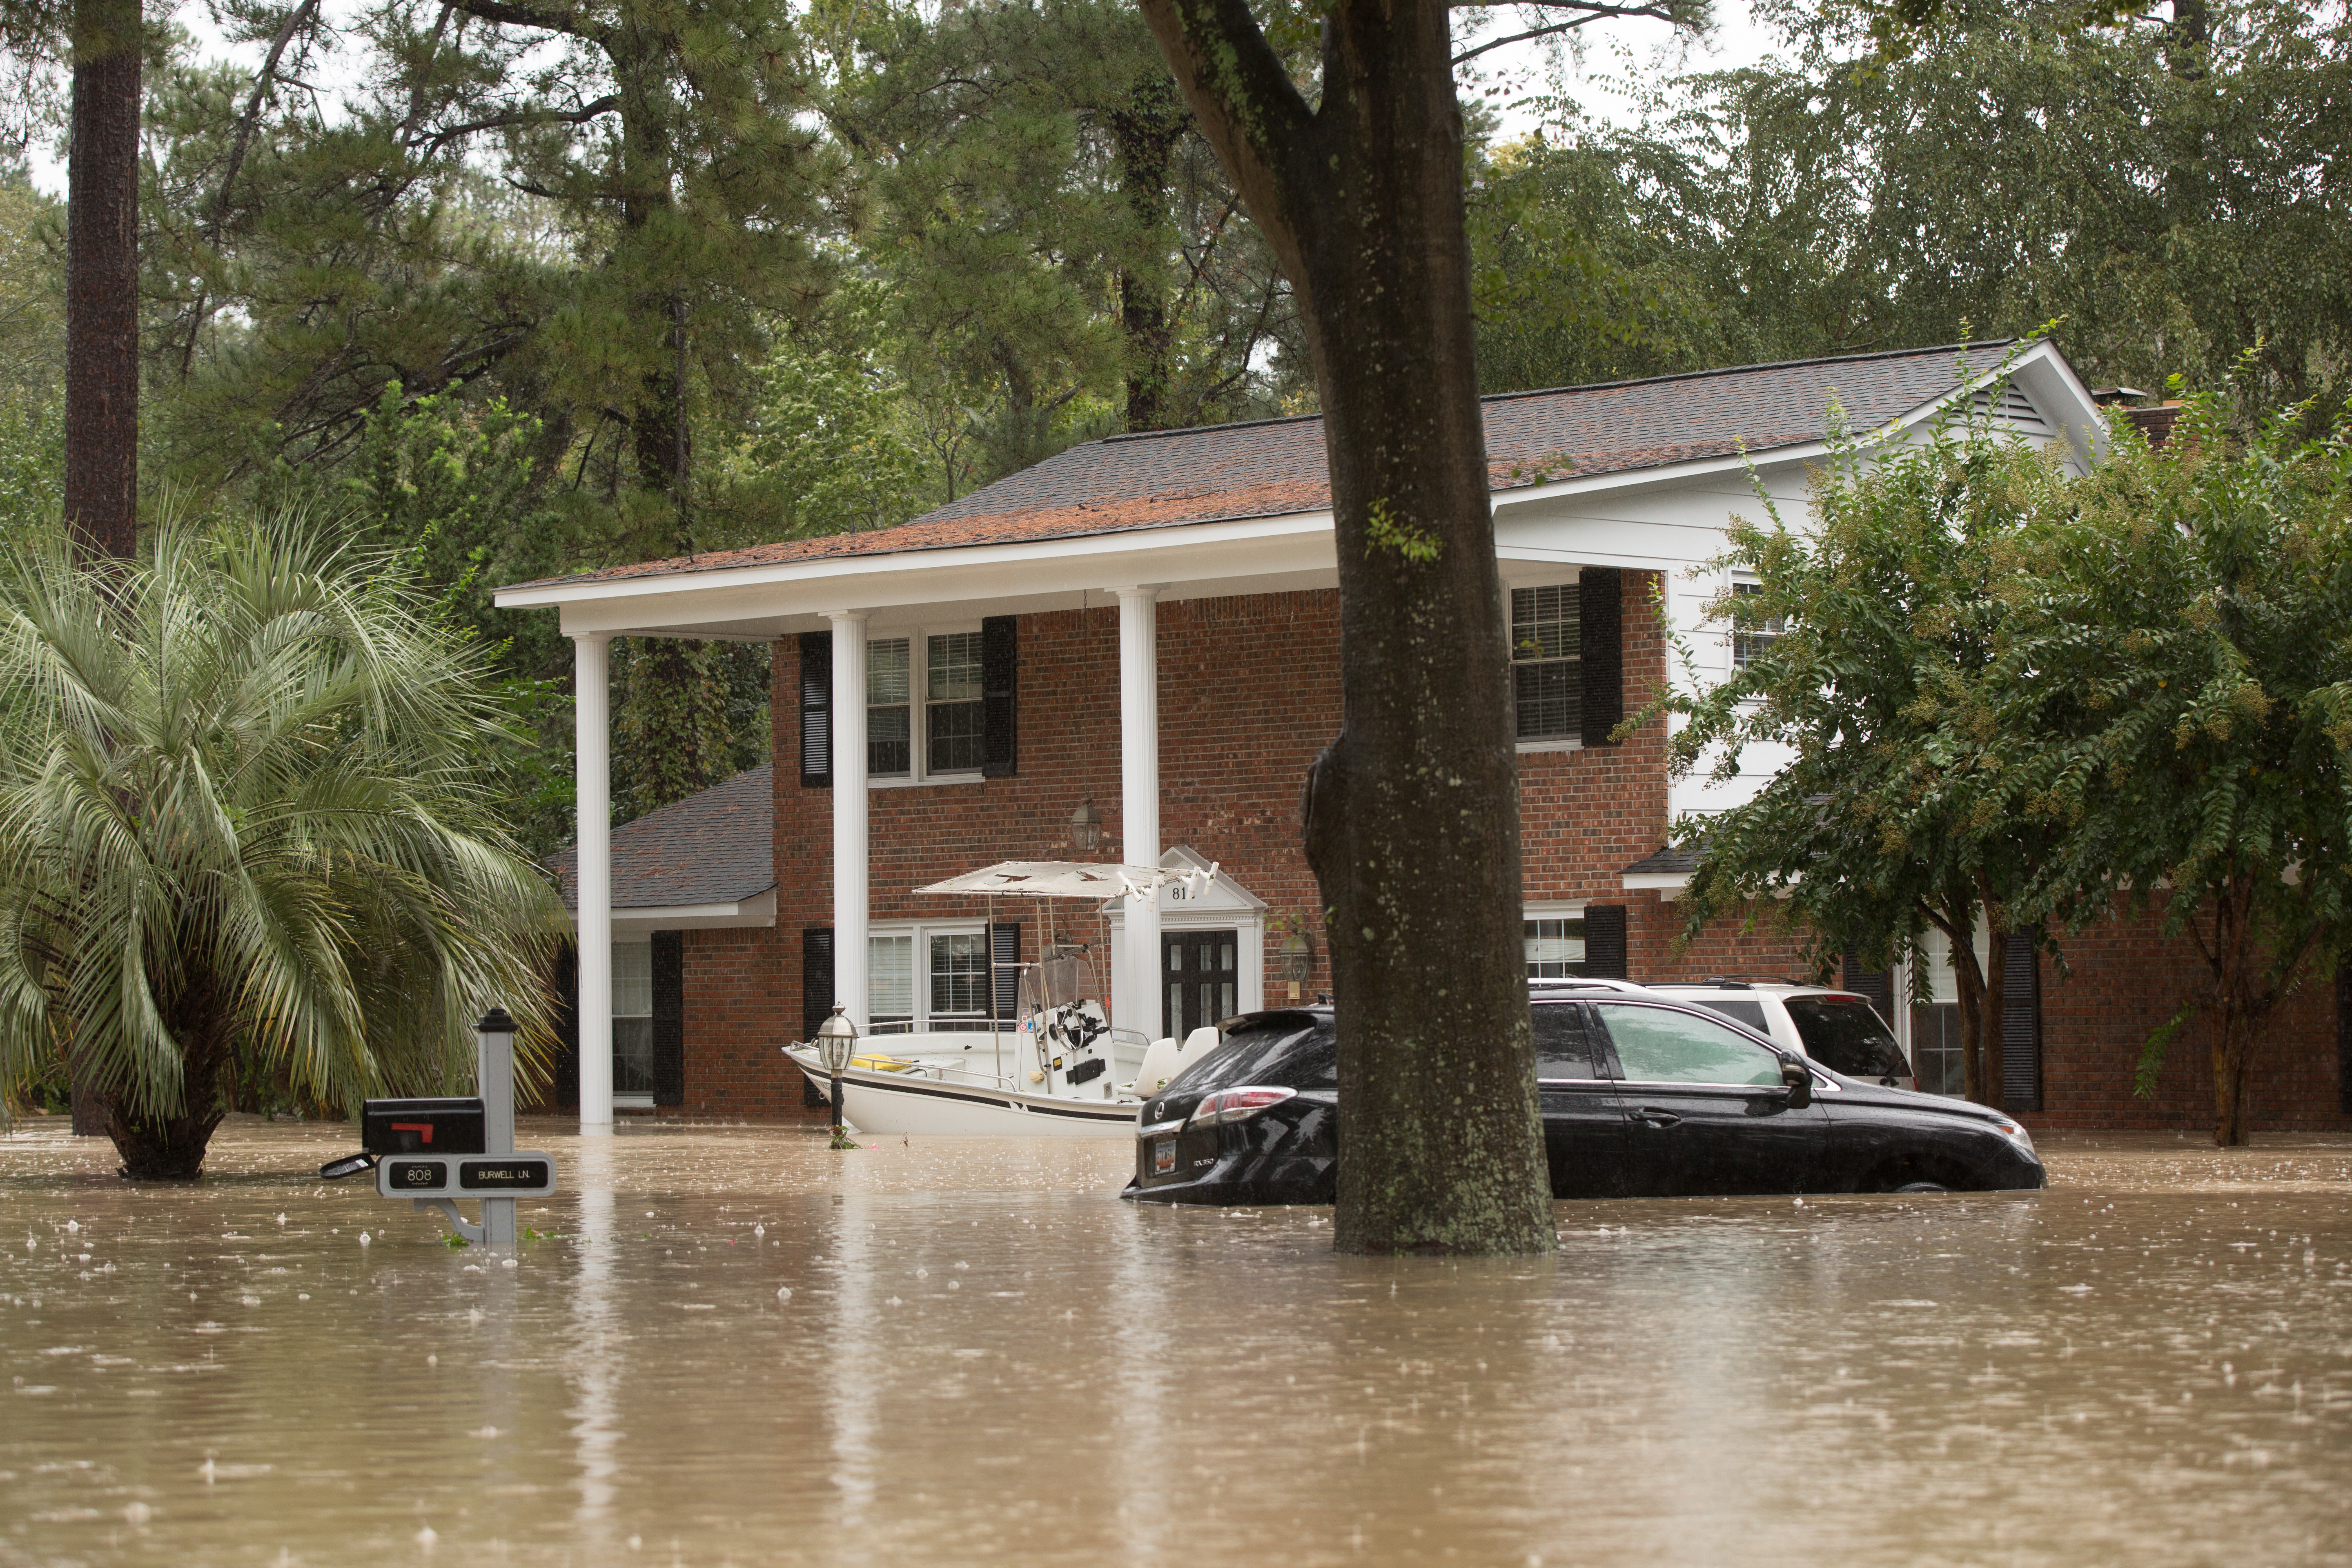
point(783, 1292)
point(364, 1238)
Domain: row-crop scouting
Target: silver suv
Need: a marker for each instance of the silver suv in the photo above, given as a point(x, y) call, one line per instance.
point(1838, 1029)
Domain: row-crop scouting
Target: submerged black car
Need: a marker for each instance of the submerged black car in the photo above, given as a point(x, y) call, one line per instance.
point(1642, 1098)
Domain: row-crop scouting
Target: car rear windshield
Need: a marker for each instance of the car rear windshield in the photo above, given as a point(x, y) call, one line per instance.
point(1287, 1050)
point(1845, 1034)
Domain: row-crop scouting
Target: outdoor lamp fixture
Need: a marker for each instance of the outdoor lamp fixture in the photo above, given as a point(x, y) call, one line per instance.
point(1297, 958)
point(1085, 826)
point(836, 1039)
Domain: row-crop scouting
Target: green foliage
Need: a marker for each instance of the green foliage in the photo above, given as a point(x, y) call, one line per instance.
point(2175, 702)
point(1890, 813)
point(243, 818)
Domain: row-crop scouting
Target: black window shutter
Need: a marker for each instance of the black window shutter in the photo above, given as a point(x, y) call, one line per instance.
point(816, 994)
point(1604, 942)
point(2344, 1036)
point(816, 978)
point(816, 709)
point(564, 1089)
point(1876, 984)
point(1601, 654)
point(2020, 1027)
point(1000, 681)
point(669, 1017)
point(1004, 966)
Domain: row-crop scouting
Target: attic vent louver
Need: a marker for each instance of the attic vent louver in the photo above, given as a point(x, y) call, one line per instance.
point(2014, 408)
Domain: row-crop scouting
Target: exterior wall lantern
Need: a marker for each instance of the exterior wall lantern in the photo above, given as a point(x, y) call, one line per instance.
point(1297, 955)
point(836, 1040)
point(1085, 826)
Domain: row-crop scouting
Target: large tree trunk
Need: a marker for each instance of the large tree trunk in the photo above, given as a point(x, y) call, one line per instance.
point(101, 489)
point(1412, 822)
point(1146, 130)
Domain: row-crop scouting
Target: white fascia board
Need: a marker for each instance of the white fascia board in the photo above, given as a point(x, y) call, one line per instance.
point(1653, 479)
point(759, 910)
point(1237, 555)
point(1667, 885)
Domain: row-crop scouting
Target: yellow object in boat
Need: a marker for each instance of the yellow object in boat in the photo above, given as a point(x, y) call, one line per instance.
point(882, 1064)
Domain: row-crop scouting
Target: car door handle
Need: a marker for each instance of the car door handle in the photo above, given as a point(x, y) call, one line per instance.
point(1655, 1117)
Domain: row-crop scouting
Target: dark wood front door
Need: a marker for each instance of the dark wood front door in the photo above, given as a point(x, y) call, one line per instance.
point(1204, 977)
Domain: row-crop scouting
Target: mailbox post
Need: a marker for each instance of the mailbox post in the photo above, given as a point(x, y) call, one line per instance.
point(434, 1151)
point(494, 1075)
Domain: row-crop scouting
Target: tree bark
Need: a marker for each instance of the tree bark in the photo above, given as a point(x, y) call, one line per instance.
point(1146, 130)
point(1411, 814)
point(101, 480)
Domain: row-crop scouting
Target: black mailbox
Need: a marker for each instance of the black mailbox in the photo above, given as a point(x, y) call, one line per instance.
point(421, 1127)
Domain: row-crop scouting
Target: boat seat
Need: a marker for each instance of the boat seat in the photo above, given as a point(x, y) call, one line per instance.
point(1166, 1059)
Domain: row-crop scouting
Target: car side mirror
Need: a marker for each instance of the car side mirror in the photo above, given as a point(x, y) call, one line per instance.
point(1797, 1078)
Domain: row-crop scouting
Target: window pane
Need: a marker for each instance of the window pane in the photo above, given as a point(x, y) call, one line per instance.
point(955, 667)
point(1936, 1048)
point(887, 752)
point(632, 1056)
point(1555, 949)
point(886, 672)
point(890, 976)
point(959, 974)
point(1655, 1046)
point(633, 980)
point(1546, 699)
point(1544, 622)
point(1752, 638)
point(955, 737)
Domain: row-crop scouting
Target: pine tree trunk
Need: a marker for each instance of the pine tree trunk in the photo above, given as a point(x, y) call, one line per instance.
point(101, 480)
point(1411, 814)
point(1414, 830)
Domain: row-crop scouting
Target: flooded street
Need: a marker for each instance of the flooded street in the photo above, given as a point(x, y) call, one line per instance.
point(730, 1345)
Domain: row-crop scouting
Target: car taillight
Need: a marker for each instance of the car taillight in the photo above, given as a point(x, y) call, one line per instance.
point(1238, 1104)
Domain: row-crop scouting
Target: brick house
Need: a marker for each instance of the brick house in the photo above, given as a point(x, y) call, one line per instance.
point(1145, 628)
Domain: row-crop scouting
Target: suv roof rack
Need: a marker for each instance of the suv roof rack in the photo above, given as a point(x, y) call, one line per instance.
point(1748, 981)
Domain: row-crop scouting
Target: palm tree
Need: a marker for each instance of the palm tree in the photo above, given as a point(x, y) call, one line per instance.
point(243, 815)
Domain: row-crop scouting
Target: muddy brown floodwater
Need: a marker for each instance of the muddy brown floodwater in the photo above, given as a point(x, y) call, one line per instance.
point(735, 1346)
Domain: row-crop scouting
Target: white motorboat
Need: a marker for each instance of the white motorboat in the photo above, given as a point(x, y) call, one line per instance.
point(1059, 1070)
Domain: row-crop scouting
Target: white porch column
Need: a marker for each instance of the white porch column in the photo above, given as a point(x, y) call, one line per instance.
point(592, 709)
point(1137, 999)
point(849, 841)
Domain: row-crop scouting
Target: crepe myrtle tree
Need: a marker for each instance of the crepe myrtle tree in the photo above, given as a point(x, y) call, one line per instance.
point(1867, 640)
point(2175, 702)
point(1412, 824)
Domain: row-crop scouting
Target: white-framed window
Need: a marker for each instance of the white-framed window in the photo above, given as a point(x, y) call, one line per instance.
point(1750, 640)
point(924, 713)
point(1553, 940)
point(924, 977)
point(632, 1023)
point(1547, 694)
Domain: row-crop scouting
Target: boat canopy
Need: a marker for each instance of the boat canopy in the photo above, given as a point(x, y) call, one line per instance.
point(1062, 879)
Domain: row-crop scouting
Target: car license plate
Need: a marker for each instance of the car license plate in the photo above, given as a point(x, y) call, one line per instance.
point(1163, 1156)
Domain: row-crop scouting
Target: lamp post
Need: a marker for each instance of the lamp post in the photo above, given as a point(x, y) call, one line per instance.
point(836, 1039)
point(1085, 826)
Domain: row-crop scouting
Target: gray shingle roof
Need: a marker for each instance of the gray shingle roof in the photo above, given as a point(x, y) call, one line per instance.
point(1664, 862)
point(715, 847)
point(1274, 468)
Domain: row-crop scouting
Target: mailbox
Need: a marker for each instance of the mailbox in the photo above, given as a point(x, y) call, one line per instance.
point(422, 1126)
